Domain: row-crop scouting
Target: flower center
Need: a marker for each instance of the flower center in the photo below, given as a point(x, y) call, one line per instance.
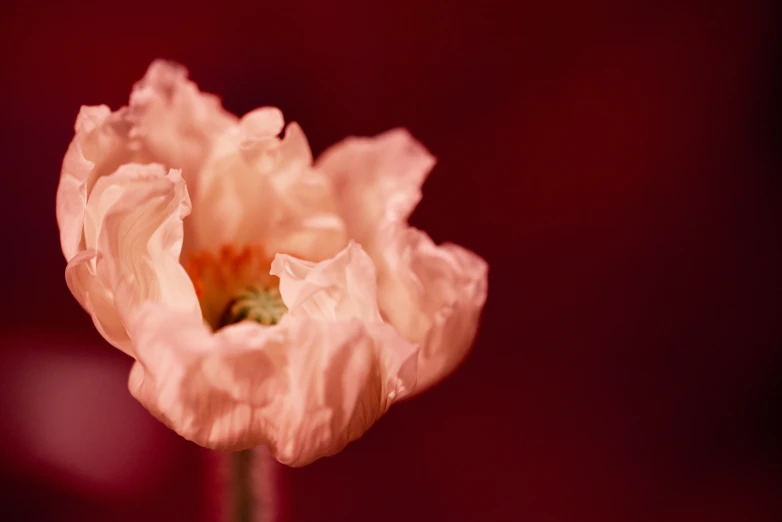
point(234, 285)
point(262, 305)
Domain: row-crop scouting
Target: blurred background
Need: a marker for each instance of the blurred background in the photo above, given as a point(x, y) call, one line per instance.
point(613, 161)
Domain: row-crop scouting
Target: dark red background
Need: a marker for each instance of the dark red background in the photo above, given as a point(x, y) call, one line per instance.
point(613, 162)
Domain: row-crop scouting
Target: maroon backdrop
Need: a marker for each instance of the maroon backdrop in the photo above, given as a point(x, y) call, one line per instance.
point(613, 163)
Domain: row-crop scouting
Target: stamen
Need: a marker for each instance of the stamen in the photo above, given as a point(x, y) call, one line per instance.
point(233, 284)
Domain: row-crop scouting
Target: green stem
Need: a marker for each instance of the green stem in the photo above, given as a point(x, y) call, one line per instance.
point(242, 491)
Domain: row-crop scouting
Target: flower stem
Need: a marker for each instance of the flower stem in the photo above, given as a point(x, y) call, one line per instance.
point(242, 491)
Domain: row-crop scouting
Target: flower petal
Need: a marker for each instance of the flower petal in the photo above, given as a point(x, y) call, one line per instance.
point(80, 275)
point(168, 121)
point(260, 189)
point(92, 152)
point(133, 235)
point(174, 121)
point(338, 289)
point(378, 180)
point(305, 387)
point(433, 295)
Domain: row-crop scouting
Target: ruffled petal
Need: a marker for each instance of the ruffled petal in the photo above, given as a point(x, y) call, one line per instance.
point(97, 300)
point(305, 387)
point(260, 189)
point(342, 288)
point(377, 180)
point(168, 121)
point(432, 295)
point(174, 121)
point(133, 238)
point(97, 149)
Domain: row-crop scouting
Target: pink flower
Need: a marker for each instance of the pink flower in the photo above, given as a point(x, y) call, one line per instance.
point(294, 305)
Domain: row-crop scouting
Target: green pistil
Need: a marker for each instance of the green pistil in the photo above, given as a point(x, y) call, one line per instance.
point(262, 305)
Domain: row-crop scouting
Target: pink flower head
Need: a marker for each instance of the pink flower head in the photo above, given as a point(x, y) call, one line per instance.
point(266, 299)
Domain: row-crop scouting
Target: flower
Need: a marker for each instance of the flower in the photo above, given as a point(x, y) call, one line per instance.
point(267, 299)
